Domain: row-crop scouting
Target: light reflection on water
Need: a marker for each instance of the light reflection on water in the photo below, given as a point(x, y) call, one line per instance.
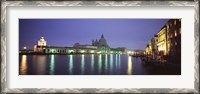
point(82, 64)
point(116, 62)
point(99, 63)
point(70, 64)
point(119, 62)
point(39, 64)
point(129, 65)
point(23, 67)
point(52, 65)
point(94, 64)
point(106, 63)
point(111, 63)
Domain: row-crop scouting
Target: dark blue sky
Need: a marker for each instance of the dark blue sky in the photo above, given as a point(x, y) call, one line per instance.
point(129, 33)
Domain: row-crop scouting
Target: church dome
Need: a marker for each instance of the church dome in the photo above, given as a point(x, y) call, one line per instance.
point(102, 42)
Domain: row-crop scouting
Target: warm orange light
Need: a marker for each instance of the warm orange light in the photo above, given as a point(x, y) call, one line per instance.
point(23, 67)
point(129, 71)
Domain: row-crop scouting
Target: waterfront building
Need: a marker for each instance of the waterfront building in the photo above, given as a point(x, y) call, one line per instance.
point(124, 50)
point(162, 41)
point(42, 42)
point(147, 52)
point(102, 45)
point(40, 47)
point(167, 43)
point(78, 45)
point(174, 39)
point(138, 52)
point(154, 42)
point(97, 47)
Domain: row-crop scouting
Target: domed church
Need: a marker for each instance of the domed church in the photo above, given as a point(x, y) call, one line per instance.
point(102, 43)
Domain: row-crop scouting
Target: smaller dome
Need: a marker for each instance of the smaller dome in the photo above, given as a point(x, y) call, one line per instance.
point(76, 45)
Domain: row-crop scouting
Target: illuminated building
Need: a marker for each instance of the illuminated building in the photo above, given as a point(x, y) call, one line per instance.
point(154, 48)
point(138, 52)
point(162, 41)
point(167, 42)
point(40, 47)
point(42, 42)
point(102, 45)
point(174, 39)
point(147, 52)
point(97, 47)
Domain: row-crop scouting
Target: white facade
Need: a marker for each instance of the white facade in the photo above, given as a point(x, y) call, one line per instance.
point(42, 42)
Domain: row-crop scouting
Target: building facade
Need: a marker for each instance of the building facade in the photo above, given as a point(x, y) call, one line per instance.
point(40, 47)
point(154, 47)
point(97, 47)
point(174, 39)
point(162, 41)
point(167, 42)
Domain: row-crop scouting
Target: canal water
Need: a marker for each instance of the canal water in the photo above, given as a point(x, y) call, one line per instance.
point(88, 64)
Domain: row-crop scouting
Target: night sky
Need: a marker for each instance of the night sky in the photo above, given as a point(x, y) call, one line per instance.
point(130, 33)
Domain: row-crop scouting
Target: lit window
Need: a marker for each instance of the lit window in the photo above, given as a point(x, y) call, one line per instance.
point(175, 22)
point(175, 34)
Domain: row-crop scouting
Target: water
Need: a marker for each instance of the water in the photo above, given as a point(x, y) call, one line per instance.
point(93, 64)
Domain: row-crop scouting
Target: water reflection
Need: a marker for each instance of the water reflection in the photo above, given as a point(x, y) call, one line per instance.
point(40, 65)
point(70, 64)
point(82, 64)
point(116, 61)
point(119, 62)
point(23, 67)
point(52, 65)
point(106, 63)
point(111, 63)
point(129, 71)
point(99, 63)
point(92, 62)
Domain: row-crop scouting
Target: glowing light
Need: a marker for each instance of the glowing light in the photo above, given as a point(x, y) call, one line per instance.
point(116, 61)
point(24, 48)
point(92, 63)
point(99, 63)
point(71, 51)
point(41, 65)
point(52, 65)
point(119, 61)
point(98, 52)
point(111, 52)
point(71, 64)
point(82, 51)
point(111, 63)
point(23, 67)
point(175, 33)
point(52, 50)
point(130, 52)
point(129, 71)
point(106, 62)
point(82, 64)
point(92, 51)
